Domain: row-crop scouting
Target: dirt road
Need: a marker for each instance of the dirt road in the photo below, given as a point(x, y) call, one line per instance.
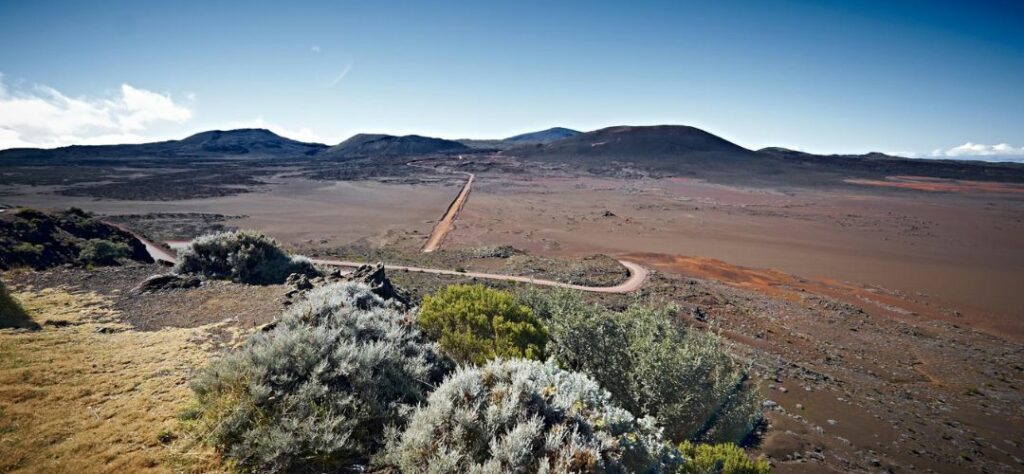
point(637, 273)
point(637, 276)
point(445, 224)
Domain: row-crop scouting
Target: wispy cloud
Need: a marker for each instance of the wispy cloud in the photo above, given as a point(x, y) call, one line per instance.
point(315, 48)
point(302, 134)
point(44, 117)
point(979, 149)
point(341, 76)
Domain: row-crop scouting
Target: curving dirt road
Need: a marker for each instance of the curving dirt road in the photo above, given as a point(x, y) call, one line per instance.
point(637, 273)
point(156, 252)
point(445, 224)
point(637, 276)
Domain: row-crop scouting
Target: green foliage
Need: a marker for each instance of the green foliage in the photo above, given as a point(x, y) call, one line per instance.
point(519, 416)
point(27, 250)
point(725, 458)
point(12, 315)
point(317, 391)
point(103, 252)
point(43, 240)
point(474, 324)
point(654, 366)
point(241, 256)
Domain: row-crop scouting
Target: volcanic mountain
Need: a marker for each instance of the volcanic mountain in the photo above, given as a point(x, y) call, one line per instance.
point(671, 148)
point(687, 151)
point(366, 145)
point(248, 142)
point(543, 136)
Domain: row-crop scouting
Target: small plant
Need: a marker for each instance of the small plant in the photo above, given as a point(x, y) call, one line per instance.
point(654, 366)
point(526, 416)
point(166, 436)
point(725, 458)
point(242, 256)
point(103, 252)
point(317, 392)
point(12, 314)
point(474, 324)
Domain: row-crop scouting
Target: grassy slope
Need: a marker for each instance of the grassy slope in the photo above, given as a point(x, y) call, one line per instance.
point(73, 399)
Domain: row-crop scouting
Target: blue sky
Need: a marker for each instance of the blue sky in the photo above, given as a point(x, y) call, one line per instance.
point(917, 78)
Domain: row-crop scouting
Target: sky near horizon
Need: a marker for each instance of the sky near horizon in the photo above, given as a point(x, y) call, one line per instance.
point(936, 78)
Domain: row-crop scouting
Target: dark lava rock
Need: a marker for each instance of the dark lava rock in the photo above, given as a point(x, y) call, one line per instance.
point(299, 281)
point(167, 281)
point(380, 285)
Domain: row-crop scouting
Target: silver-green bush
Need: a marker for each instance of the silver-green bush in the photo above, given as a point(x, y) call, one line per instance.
point(521, 416)
point(654, 366)
point(317, 391)
point(241, 256)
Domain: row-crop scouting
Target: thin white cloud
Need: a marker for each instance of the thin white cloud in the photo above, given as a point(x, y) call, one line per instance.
point(979, 149)
point(302, 134)
point(44, 117)
point(315, 48)
point(342, 75)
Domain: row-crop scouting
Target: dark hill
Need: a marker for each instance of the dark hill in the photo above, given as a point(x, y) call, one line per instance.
point(366, 145)
point(687, 151)
point(543, 136)
point(252, 142)
point(669, 148)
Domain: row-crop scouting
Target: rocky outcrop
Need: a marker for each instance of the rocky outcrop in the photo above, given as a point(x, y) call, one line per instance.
point(380, 285)
point(167, 281)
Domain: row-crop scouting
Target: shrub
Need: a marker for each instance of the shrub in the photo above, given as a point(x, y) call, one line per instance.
point(654, 366)
point(12, 315)
point(103, 252)
point(725, 458)
point(241, 256)
point(317, 391)
point(474, 324)
point(526, 416)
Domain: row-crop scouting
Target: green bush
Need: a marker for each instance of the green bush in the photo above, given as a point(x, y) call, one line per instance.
point(518, 416)
point(317, 392)
point(241, 256)
point(725, 458)
point(12, 315)
point(474, 324)
point(27, 250)
point(654, 366)
point(103, 252)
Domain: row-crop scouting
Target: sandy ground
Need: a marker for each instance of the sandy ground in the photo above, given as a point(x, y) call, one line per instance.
point(295, 211)
point(958, 250)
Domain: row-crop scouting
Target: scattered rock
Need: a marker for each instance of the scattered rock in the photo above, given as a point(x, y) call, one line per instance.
point(167, 281)
point(299, 281)
point(607, 213)
point(380, 285)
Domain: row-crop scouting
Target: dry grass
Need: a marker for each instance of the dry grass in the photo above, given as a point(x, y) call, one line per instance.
point(91, 395)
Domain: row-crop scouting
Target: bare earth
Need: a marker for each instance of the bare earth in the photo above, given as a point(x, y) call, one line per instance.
point(886, 317)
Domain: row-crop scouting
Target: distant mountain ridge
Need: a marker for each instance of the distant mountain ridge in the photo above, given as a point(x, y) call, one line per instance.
point(543, 136)
point(659, 146)
point(213, 143)
point(367, 145)
point(664, 150)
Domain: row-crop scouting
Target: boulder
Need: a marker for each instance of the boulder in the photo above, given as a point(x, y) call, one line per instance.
point(166, 281)
point(380, 285)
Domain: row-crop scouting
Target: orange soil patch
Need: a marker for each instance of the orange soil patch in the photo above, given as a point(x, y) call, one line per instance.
point(790, 287)
point(921, 183)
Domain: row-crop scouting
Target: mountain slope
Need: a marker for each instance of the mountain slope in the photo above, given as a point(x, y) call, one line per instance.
point(543, 136)
point(366, 145)
point(211, 144)
point(664, 147)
